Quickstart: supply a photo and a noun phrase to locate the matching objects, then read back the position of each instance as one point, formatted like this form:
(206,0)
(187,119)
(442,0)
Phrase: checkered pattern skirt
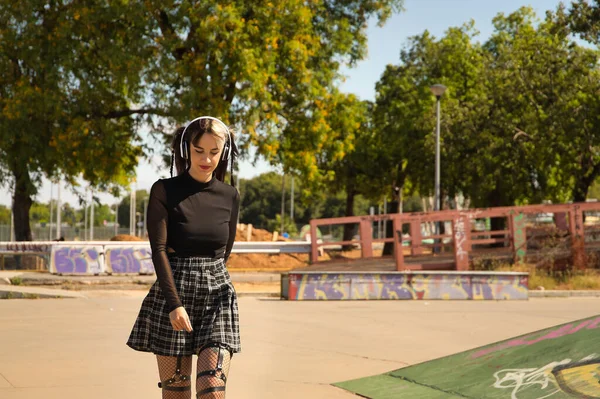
(206,292)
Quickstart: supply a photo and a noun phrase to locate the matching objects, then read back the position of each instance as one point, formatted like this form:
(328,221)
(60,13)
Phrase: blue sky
(384,44)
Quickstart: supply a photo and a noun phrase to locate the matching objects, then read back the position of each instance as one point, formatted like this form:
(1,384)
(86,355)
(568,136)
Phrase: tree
(265,67)
(141,198)
(65,93)
(40,213)
(69,90)
(348,157)
(518,118)
(582,18)
(261,203)
(546,89)
(4,214)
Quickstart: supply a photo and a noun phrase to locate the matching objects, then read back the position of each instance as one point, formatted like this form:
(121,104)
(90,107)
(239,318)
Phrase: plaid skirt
(206,292)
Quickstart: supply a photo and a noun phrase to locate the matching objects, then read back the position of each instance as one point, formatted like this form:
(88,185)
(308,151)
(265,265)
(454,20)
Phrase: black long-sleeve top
(193,219)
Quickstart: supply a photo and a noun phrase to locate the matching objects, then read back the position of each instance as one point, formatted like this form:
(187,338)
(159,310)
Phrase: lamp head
(438,90)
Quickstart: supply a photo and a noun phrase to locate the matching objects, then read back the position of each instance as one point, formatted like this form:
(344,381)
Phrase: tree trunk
(349,228)
(21,204)
(583,183)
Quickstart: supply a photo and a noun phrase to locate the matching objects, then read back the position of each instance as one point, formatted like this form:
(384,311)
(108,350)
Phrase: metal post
(292,201)
(12,222)
(58,212)
(117,218)
(132,218)
(50,223)
(385,212)
(437,158)
(282,202)
(92,217)
(85,220)
(437,173)
(379,221)
(145,218)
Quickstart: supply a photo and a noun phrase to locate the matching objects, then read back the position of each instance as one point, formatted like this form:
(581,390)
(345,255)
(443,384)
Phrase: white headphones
(183,150)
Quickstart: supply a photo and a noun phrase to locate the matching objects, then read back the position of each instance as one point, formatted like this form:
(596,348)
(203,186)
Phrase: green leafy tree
(141,199)
(65,93)
(4,214)
(40,213)
(544,87)
(265,67)
(69,89)
(518,117)
(349,157)
(261,201)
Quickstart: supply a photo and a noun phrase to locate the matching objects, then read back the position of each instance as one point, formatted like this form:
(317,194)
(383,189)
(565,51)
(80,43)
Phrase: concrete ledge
(12,291)
(563,294)
(414,285)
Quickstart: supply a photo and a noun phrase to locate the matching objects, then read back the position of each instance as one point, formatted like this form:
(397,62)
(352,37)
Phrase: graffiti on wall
(24,247)
(579,379)
(77,259)
(334,286)
(129,260)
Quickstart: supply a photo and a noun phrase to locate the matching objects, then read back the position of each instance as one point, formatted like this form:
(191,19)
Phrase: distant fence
(112,257)
(69,233)
(530,233)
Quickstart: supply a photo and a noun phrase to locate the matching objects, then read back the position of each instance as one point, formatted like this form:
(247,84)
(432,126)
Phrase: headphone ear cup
(185,154)
(225,152)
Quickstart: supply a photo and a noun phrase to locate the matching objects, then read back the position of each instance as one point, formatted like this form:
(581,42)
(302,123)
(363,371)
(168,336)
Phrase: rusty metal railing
(511,242)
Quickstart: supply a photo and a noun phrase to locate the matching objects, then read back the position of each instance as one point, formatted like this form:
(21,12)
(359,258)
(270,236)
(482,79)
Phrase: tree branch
(128,112)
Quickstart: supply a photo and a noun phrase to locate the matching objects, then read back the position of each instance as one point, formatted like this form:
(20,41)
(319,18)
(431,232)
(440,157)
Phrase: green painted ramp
(559,362)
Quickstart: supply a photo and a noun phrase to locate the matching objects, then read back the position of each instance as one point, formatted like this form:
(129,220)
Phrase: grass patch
(16,280)
(552,279)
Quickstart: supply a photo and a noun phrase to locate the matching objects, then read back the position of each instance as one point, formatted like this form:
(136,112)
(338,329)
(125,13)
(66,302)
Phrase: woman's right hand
(180,320)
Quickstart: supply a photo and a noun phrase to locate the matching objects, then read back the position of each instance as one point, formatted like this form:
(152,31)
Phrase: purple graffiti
(129,260)
(559,332)
(406,286)
(76,260)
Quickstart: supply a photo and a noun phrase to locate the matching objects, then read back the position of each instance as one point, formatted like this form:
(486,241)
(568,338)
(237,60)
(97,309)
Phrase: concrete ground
(75,347)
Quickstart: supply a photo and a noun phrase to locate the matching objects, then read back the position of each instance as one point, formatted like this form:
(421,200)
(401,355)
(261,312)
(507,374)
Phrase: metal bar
(314,249)
(366,238)
(490,233)
(489,241)
(577,237)
(398,255)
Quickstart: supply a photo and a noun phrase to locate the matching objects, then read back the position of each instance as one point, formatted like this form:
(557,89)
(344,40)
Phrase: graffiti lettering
(24,247)
(460,237)
(521,379)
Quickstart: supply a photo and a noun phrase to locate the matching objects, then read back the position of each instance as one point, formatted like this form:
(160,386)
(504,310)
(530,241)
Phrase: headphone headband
(211,118)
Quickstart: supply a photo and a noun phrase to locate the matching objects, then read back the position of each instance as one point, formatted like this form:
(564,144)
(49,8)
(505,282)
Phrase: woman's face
(205,155)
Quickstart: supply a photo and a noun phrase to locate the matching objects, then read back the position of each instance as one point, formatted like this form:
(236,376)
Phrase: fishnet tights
(212,371)
(212,368)
(167,369)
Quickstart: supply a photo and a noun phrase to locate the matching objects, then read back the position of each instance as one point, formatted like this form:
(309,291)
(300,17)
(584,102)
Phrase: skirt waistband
(195,261)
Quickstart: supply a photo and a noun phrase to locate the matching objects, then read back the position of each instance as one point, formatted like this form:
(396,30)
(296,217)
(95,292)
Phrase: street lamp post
(437,90)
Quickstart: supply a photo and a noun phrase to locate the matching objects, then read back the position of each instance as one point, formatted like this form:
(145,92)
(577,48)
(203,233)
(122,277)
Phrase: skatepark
(75,347)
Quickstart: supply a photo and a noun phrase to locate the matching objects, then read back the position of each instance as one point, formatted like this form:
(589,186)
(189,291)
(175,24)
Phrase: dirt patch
(126,237)
(267,262)
(245,231)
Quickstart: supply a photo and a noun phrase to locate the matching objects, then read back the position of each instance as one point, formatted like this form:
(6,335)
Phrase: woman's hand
(180,320)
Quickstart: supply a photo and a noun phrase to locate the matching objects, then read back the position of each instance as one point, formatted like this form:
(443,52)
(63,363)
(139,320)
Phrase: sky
(384,45)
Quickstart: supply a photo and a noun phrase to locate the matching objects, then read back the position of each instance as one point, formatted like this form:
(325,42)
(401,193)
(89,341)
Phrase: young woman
(192,308)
